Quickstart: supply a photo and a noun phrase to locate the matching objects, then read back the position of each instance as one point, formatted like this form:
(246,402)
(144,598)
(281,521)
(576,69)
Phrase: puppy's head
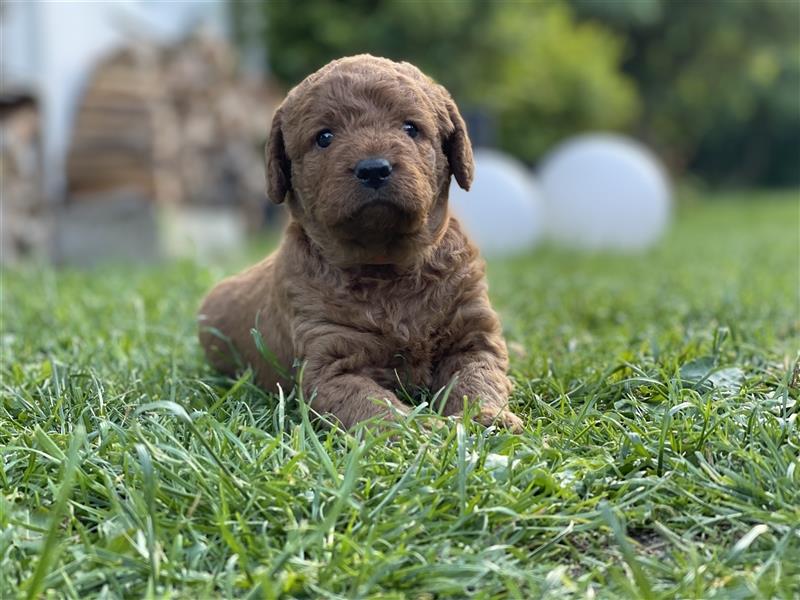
(362,151)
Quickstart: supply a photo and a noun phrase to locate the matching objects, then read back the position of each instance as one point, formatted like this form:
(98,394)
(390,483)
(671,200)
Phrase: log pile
(179,125)
(115,133)
(24,224)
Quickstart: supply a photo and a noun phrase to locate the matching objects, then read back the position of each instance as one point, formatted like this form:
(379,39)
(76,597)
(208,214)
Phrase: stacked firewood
(23,219)
(116,131)
(179,125)
(223,119)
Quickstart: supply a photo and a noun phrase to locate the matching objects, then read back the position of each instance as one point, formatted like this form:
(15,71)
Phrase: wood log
(24,224)
(193,133)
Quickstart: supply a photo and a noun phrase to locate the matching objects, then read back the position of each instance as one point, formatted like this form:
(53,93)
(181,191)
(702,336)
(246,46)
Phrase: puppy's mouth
(379,231)
(378,219)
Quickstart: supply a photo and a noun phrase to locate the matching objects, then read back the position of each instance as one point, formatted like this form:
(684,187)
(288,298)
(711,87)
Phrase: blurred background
(135,130)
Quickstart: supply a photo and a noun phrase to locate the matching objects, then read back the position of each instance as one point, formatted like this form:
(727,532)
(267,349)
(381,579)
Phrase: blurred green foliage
(719,82)
(537,72)
(713,86)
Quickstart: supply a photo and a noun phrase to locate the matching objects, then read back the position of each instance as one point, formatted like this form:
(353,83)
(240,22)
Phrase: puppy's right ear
(279,167)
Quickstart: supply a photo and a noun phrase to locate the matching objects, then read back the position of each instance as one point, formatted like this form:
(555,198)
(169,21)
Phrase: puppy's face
(363,151)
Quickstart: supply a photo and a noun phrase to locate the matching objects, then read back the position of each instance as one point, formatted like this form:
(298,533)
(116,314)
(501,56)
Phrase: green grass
(660,458)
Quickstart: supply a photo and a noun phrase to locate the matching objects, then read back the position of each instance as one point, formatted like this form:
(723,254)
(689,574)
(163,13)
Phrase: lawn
(660,457)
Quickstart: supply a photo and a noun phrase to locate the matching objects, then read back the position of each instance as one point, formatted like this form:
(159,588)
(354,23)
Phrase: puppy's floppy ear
(456,144)
(279,167)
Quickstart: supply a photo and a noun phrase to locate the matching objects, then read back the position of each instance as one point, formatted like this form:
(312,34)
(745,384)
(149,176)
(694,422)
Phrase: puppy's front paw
(493,415)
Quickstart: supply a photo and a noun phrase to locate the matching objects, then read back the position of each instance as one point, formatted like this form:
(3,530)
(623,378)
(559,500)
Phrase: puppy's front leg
(476,357)
(336,376)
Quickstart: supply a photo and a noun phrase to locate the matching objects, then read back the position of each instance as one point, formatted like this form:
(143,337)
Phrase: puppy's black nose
(373,172)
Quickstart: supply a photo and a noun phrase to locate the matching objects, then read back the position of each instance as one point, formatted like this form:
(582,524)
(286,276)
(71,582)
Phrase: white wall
(52,47)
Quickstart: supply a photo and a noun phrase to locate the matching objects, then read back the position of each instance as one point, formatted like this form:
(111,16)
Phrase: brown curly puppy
(375,285)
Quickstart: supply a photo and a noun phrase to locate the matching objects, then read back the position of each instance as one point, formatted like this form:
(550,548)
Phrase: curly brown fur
(370,288)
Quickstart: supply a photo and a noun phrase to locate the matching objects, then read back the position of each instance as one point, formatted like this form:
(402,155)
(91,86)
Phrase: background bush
(713,87)
(719,82)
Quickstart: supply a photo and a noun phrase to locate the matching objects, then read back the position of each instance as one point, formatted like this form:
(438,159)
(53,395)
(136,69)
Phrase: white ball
(503,210)
(605,192)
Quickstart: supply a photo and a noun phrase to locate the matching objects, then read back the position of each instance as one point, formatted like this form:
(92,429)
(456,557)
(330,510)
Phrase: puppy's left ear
(456,144)
(279,167)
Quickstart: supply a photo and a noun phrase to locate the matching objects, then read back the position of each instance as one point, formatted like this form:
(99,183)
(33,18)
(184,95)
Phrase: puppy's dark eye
(410,129)
(324,138)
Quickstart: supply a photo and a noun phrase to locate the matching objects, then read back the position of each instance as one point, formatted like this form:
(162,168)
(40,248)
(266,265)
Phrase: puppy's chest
(408,323)
(412,324)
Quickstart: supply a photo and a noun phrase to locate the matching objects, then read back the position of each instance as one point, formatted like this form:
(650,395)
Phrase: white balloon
(503,210)
(605,191)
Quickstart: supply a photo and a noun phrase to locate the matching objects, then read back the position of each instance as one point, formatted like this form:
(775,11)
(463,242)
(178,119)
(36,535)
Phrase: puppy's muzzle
(373,172)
